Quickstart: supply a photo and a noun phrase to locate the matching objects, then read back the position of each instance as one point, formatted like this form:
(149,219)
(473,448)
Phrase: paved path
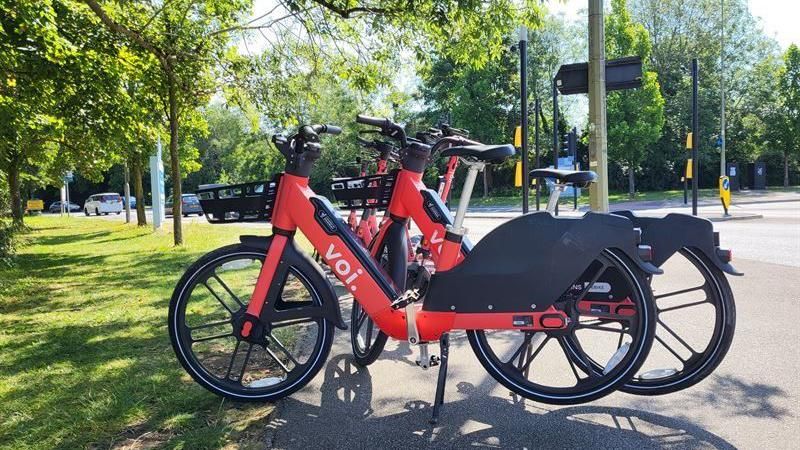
(750,402)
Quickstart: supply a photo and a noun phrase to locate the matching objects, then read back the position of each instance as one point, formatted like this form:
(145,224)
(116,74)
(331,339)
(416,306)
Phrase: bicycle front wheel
(540,365)
(277,358)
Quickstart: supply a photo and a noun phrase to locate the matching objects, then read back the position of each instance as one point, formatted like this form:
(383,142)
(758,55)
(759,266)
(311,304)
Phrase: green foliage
(635,117)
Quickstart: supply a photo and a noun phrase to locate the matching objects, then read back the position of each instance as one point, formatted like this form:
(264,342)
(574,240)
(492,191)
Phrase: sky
(778,17)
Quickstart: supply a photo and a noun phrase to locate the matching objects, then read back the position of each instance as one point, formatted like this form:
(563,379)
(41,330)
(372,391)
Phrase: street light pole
(598,145)
(722,90)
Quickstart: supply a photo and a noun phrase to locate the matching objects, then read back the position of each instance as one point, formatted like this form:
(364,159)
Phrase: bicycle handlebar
(388,128)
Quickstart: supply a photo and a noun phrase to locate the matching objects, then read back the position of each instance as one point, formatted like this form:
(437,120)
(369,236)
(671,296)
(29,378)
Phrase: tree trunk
(785,169)
(138,192)
(631,183)
(177,213)
(16,194)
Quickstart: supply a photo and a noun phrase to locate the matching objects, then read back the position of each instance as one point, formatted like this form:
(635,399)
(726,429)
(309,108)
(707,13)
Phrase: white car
(105,203)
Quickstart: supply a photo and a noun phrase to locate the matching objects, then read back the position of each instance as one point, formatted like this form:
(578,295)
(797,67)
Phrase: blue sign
(719,141)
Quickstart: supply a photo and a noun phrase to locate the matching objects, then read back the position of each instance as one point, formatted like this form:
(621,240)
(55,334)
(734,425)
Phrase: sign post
(68,177)
(157,186)
(63,198)
(536,111)
(127,192)
(523,75)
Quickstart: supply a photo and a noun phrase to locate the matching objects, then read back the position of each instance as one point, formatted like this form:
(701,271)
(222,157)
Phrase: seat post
(466,194)
(552,202)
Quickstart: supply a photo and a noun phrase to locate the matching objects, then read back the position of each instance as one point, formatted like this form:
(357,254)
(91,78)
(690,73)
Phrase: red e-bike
(695,307)
(254,321)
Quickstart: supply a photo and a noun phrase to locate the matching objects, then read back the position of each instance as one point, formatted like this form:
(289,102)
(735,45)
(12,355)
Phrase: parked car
(108,202)
(55,207)
(190,204)
(133,202)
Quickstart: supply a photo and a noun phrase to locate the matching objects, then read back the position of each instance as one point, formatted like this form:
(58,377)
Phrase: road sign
(518,174)
(69,177)
(518,137)
(725,193)
(622,73)
(689,169)
(689,141)
(35,205)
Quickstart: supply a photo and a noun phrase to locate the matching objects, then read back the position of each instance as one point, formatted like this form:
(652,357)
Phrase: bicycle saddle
(581,178)
(487,153)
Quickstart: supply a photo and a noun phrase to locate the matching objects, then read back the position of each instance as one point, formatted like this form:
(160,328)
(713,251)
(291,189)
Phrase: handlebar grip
(373,121)
(332,129)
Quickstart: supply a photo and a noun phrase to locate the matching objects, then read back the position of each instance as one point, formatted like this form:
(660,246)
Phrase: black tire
(366,351)
(702,364)
(97,211)
(596,384)
(307,276)
(86,211)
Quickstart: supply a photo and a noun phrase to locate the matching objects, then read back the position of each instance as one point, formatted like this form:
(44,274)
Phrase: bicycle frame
(298,207)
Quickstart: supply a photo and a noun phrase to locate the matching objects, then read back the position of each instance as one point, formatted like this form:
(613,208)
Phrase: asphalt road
(751,401)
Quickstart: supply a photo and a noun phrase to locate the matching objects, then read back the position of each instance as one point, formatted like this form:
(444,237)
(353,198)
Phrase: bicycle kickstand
(444,344)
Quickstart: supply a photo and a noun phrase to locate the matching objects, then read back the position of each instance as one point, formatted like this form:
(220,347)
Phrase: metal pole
(555,131)
(66,183)
(127,192)
(722,90)
(536,107)
(573,148)
(685,191)
(523,75)
(695,137)
(598,144)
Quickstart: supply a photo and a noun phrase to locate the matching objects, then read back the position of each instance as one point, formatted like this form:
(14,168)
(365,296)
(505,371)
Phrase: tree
(186,37)
(783,121)
(635,117)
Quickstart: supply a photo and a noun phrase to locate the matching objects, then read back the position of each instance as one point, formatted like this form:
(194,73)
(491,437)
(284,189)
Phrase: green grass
(613,197)
(85,359)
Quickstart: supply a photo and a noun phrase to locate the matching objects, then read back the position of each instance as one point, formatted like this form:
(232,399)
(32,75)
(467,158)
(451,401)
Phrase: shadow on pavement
(345,417)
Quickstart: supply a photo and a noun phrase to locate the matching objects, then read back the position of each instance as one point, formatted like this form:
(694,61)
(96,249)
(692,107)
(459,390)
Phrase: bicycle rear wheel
(696,320)
(277,358)
(540,365)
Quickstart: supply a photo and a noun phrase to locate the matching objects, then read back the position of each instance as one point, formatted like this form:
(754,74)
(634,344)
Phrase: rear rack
(246,202)
(372,191)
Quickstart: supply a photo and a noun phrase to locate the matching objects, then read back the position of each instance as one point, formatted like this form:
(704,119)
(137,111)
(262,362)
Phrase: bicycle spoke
(225,286)
(527,365)
(679,292)
(246,360)
(289,323)
(687,305)
(526,342)
(218,299)
(284,350)
(360,320)
(211,338)
(675,335)
(210,324)
(595,277)
(601,328)
(566,355)
(233,359)
(674,353)
(277,360)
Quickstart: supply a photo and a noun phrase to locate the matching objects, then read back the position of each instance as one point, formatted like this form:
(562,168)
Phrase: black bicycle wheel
(695,325)
(278,358)
(540,366)
(366,339)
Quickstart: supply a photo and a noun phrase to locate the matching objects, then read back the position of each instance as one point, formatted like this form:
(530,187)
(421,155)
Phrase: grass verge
(85,359)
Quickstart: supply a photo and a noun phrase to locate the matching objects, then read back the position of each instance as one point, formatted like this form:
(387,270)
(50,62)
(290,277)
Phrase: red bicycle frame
(298,207)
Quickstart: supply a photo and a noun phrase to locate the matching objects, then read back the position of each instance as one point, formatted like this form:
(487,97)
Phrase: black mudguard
(292,255)
(668,234)
(531,259)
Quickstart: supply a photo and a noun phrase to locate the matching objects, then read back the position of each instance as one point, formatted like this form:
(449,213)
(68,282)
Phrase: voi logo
(342,267)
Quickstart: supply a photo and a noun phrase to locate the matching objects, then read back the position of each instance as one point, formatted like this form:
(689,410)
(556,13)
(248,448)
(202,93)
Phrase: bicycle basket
(372,191)
(246,202)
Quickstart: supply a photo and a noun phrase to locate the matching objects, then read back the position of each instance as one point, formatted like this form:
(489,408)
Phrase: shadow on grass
(345,419)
